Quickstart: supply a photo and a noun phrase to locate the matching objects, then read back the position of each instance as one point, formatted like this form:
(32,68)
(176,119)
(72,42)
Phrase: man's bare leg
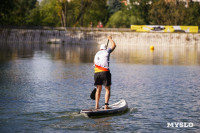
(107,96)
(97,96)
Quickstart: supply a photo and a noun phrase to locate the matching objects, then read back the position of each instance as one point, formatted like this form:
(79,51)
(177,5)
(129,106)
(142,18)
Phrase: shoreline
(122,36)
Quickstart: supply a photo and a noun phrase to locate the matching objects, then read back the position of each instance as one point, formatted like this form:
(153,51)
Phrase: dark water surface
(43,88)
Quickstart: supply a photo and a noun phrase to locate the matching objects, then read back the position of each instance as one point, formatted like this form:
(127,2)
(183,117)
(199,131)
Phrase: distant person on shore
(100,25)
(91,24)
(102,75)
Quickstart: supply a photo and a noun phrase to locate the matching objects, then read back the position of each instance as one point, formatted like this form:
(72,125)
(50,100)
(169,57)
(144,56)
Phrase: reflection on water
(43,88)
(69,53)
(162,55)
(134,54)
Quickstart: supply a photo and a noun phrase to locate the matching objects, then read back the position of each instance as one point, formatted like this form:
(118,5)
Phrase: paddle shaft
(107,44)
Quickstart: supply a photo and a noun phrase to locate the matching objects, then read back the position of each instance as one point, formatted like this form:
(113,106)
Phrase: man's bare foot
(106,107)
(97,108)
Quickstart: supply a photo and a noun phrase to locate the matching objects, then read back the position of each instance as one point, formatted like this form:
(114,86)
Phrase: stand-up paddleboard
(116,108)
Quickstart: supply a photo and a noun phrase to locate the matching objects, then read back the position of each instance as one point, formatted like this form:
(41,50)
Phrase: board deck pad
(116,108)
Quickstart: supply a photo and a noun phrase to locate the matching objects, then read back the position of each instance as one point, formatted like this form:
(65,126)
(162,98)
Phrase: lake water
(44,86)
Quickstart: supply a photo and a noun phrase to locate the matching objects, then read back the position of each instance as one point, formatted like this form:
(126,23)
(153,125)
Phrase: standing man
(102,75)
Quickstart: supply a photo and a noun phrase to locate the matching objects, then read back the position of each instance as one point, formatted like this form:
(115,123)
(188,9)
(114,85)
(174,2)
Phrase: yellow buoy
(151,47)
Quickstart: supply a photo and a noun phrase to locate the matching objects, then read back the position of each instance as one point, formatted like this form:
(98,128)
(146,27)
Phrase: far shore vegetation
(94,13)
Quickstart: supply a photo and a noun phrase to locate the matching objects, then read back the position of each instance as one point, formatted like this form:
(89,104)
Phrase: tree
(193,14)
(82,13)
(140,10)
(114,6)
(14,12)
(98,11)
(167,13)
(34,18)
(6,8)
(21,10)
(135,13)
(49,13)
(119,20)
(68,14)
(62,11)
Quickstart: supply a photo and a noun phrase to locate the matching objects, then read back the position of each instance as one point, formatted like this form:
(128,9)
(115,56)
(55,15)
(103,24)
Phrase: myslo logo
(180,124)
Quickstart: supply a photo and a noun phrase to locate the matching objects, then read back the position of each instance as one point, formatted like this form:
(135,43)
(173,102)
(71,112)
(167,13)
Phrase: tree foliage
(164,13)
(112,13)
(118,20)
(131,14)
(114,6)
(48,13)
(140,9)
(192,14)
(87,11)
(14,12)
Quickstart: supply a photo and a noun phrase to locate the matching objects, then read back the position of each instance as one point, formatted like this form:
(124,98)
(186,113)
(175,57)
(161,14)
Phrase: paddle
(107,44)
(92,95)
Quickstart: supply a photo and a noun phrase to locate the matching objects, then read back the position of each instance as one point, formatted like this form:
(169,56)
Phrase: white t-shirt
(102,58)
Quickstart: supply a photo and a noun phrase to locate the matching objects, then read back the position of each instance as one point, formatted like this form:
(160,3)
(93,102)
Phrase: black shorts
(102,78)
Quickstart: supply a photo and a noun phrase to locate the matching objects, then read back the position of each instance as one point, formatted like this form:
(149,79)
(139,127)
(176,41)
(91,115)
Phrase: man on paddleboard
(102,75)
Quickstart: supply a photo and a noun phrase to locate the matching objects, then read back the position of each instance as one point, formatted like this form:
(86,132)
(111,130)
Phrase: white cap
(103,46)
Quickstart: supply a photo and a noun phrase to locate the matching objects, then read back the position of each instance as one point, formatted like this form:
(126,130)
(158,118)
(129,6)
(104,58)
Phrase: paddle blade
(92,95)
